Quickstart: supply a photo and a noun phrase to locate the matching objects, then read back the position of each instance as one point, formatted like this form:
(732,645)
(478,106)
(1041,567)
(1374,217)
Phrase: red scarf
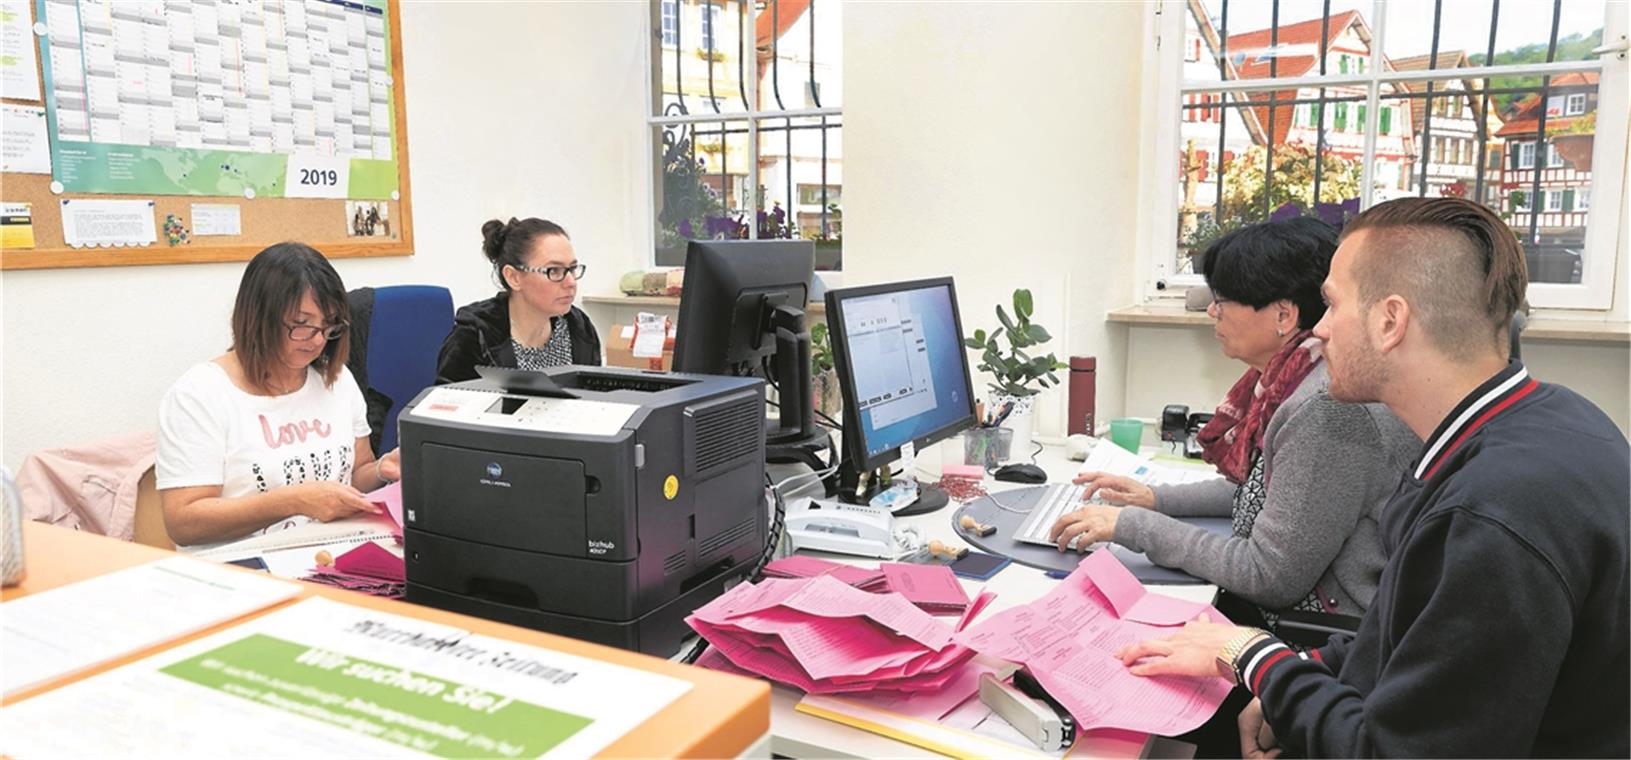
(1236,430)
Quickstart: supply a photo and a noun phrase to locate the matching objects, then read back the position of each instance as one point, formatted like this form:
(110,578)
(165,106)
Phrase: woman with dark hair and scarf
(1304,476)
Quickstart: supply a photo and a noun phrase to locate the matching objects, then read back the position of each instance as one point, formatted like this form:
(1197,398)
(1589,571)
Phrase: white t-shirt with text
(212,433)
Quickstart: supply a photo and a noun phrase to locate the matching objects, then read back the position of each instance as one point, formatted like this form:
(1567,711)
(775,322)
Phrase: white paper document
(107,223)
(63,631)
(325,679)
(25,147)
(217,219)
(19,65)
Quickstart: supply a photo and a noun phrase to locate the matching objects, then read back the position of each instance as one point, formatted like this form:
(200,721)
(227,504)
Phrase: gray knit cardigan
(1329,467)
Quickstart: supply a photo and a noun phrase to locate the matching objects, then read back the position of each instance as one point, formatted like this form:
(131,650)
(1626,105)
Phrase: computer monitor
(742,313)
(898,349)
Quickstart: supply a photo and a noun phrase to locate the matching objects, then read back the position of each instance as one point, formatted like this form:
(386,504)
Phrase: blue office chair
(396,333)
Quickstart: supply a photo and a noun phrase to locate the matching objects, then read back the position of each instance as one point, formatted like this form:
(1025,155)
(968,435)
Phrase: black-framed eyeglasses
(307,332)
(556,274)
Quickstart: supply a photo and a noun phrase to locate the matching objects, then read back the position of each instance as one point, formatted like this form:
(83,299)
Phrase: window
(710,22)
(1464,132)
(1582,198)
(671,22)
(745,117)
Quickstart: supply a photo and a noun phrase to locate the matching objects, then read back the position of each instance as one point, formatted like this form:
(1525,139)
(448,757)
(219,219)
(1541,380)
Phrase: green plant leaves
(1015,371)
(1022,303)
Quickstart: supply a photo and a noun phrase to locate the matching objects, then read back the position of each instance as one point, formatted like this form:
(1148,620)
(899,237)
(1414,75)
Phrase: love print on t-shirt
(294,431)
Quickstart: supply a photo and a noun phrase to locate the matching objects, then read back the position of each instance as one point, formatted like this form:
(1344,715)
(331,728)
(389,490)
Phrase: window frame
(662,16)
(1570,100)
(749,118)
(1165,87)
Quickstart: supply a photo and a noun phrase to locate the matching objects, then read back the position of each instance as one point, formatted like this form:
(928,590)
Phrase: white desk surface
(795,734)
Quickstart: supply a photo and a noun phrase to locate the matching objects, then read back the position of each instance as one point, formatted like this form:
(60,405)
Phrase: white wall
(513,109)
(1182,365)
(973,148)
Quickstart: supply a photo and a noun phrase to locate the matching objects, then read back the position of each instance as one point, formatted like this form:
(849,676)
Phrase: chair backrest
(405,334)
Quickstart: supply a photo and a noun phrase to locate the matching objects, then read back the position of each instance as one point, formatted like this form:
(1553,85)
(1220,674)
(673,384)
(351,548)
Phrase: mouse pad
(1019,502)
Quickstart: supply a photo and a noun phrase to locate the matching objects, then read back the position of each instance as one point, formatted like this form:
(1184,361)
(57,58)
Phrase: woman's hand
(326,500)
(1088,525)
(1192,651)
(1116,489)
(390,466)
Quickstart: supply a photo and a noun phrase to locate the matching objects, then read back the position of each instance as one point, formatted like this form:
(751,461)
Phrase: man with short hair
(1500,626)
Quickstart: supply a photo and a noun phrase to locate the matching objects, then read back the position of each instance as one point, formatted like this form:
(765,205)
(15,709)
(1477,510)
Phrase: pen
(1060,574)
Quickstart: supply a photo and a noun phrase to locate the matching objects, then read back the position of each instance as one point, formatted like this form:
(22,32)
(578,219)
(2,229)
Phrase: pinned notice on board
(107,223)
(19,68)
(25,147)
(217,219)
(16,226)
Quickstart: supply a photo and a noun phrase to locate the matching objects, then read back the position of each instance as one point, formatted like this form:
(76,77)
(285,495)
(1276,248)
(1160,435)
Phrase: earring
(1280,331)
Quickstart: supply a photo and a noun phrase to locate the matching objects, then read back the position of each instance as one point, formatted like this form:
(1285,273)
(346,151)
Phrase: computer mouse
(1020,473)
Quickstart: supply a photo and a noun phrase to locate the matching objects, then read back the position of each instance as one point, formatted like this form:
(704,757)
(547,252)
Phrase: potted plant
(1017,376)
(824,377)
(1575,143)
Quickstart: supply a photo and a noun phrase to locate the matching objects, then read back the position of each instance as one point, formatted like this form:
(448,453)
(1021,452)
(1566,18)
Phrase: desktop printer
(599,503)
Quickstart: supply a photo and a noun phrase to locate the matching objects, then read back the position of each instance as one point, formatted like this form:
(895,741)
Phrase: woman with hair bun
(531,324)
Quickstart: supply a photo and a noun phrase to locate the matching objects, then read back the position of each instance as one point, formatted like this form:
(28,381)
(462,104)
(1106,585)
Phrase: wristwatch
(1240,643)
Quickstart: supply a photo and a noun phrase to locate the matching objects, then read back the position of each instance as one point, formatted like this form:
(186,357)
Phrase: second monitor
(903,374)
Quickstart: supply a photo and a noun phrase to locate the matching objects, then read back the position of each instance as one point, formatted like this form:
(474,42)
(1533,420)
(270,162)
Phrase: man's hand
(1256,737)
(326,500)
(1115,489)
(1088,525)
(1192,651)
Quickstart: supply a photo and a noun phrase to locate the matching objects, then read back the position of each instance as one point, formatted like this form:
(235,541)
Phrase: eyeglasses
(307,332)
(556,274)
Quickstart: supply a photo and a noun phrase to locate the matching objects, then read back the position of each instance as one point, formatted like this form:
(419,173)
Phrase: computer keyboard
(1057,499)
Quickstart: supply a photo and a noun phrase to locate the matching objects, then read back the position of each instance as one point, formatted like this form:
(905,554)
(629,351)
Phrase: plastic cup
(987,447)
(1127,432)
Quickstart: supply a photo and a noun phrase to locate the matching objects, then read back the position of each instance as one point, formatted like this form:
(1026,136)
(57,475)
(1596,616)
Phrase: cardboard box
(620,350)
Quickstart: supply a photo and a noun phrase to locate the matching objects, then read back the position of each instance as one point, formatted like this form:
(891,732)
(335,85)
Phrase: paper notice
(24,146)
(19,66)
(16,226)
(107,223)
(217,219)
(321,678)
(650,330)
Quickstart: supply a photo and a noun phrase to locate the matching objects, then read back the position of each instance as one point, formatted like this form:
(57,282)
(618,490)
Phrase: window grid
(678,118)
(1376,121)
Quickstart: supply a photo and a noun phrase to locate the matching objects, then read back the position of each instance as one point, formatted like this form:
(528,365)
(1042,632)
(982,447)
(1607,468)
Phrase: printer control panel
(553,415)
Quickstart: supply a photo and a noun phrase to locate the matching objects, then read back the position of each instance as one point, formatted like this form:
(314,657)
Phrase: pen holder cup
(987,447)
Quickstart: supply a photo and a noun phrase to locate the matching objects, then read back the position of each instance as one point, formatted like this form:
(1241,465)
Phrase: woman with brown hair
(274,432)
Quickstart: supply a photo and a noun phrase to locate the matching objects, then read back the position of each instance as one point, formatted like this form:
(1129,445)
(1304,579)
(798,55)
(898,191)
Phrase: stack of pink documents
(826,637)
(934,588)
(1068,639)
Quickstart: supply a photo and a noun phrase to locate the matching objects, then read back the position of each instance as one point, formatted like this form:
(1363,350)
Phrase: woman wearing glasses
(531,323)
(274,432)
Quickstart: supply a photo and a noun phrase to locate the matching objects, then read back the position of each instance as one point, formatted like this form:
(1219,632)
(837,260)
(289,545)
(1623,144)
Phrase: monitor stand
(784,448)
(929,498)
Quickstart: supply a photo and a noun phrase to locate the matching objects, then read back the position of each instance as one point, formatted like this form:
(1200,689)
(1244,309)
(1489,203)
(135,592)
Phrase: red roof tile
(1526,119)
(1303,34)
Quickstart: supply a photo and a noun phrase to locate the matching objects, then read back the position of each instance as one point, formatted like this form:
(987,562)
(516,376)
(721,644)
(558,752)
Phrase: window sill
(1540,327)
(815,308)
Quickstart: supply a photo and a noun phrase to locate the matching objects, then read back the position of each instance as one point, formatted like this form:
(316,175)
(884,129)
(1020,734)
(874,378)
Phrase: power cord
(772,540)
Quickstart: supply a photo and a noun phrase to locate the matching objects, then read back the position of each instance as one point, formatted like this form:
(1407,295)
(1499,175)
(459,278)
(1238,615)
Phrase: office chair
(396,332)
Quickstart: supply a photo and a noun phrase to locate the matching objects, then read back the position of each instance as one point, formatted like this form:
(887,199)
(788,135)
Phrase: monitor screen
(902,367)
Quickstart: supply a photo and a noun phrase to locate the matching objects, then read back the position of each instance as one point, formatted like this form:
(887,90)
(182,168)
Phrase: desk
(721,716)
(796,734)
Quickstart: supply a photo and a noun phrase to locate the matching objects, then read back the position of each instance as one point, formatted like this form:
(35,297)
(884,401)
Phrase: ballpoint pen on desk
(1002,415)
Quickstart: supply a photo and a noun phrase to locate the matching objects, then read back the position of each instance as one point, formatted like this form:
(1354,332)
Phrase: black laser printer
(603,504)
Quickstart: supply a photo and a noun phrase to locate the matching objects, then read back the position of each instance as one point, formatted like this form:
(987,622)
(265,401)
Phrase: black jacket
(481,336)
(1500,627)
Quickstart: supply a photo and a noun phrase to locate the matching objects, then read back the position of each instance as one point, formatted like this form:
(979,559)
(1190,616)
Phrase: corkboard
(320,223)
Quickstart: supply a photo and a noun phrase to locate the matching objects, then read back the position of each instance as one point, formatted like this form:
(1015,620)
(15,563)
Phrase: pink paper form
(926,585)
(1069,637)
